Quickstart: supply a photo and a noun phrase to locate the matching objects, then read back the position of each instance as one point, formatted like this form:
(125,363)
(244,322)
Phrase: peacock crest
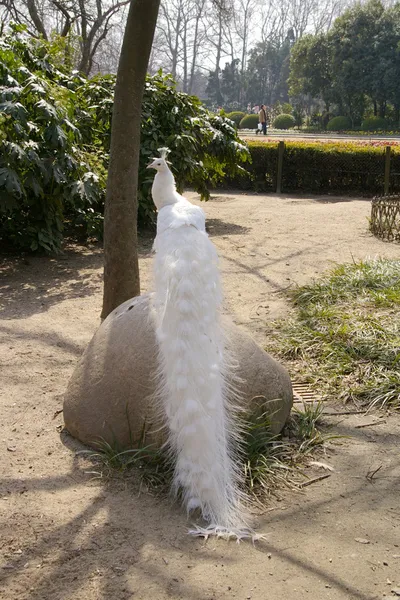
(164,152)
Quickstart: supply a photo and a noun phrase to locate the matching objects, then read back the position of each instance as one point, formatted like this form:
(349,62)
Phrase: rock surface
(111,393)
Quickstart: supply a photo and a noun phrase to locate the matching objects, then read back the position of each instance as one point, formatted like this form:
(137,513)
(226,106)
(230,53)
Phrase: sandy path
(65,536)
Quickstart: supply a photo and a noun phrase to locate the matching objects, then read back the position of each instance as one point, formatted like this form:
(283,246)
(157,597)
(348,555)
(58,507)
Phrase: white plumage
(194,370)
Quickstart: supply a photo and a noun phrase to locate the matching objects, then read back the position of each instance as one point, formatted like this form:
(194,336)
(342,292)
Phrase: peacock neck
(164,189)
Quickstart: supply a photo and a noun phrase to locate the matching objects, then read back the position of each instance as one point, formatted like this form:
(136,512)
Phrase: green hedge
(343,168)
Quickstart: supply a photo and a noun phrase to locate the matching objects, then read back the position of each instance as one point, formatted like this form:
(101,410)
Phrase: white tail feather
(193,373)
(195,378)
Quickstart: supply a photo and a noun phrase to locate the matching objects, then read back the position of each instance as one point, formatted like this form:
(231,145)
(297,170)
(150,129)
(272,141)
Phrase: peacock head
(160,164)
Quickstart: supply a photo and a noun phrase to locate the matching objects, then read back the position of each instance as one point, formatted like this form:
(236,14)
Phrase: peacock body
(194,379)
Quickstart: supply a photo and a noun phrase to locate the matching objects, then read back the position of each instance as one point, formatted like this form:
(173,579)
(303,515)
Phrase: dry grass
(269,462)
(345,337)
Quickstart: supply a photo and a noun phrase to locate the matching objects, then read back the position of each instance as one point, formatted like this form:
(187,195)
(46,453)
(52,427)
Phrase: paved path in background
(275,135)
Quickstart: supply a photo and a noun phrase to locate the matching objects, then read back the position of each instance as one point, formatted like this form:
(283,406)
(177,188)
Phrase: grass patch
(269,462)
(345,337)
(272,462)
(148,462)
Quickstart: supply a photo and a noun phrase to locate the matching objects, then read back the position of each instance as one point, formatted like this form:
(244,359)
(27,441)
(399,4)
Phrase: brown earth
(66,536)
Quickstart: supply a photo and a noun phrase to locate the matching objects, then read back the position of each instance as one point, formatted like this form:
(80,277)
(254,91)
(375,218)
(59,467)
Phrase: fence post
(281,150)
(387,171)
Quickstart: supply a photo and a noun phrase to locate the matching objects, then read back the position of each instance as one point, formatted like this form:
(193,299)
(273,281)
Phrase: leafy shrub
(204,147)
(339,124)
(287,109)
(298,116)
(374,124)
(236,116)
(319,167)
(53,172)
(41,167)
(249,122)
(284,122)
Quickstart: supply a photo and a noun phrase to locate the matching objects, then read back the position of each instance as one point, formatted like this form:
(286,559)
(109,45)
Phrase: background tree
(87,23)
(354,67)
(310,69)
(268,71)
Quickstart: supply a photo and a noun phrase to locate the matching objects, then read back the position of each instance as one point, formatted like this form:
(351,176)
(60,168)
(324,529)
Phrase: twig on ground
(361,425)
(347,412)
(314,480)
(370,475)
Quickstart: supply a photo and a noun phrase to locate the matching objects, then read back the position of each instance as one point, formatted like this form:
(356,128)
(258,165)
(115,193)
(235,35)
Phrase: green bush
(287,109)
(249,122)
(339,124)
(55,139)
(43,170)
(374,124)
(284,122)
(319,167)
(236,116)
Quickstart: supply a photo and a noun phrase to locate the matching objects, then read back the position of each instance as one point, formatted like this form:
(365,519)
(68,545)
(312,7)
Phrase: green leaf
(32,183)
(55,136)
(15,109)
(10,181)
(46,110)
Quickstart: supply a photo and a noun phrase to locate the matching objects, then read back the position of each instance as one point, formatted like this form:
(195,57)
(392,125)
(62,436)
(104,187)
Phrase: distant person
(262,117)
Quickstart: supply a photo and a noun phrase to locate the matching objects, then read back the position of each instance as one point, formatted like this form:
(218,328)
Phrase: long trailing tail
(194,380)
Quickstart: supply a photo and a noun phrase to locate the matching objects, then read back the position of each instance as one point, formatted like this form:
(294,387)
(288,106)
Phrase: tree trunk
(195,46)
(185,59)
(244,55)
(397,114)
(121,267)
(33,12)
(217,62)
(175,52)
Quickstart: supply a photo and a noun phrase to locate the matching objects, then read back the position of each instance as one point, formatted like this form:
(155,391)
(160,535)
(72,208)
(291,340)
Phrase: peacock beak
(152,164)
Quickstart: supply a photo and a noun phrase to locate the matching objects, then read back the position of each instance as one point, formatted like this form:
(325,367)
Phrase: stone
(111,393)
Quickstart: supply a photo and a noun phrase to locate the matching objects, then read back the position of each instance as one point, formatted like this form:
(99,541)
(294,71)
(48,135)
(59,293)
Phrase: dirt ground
(66,536)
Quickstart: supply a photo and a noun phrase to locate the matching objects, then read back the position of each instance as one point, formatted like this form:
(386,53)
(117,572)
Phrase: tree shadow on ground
(261,271)
(10,333)
(33,284)
(215,227)
(121,540)
(338,199)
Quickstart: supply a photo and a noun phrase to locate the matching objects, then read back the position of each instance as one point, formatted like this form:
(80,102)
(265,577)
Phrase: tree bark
(33,12)
(199,14)
(218,60)
(121,267)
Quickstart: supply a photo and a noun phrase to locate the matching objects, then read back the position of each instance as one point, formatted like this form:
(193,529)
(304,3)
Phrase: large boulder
(111,394)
